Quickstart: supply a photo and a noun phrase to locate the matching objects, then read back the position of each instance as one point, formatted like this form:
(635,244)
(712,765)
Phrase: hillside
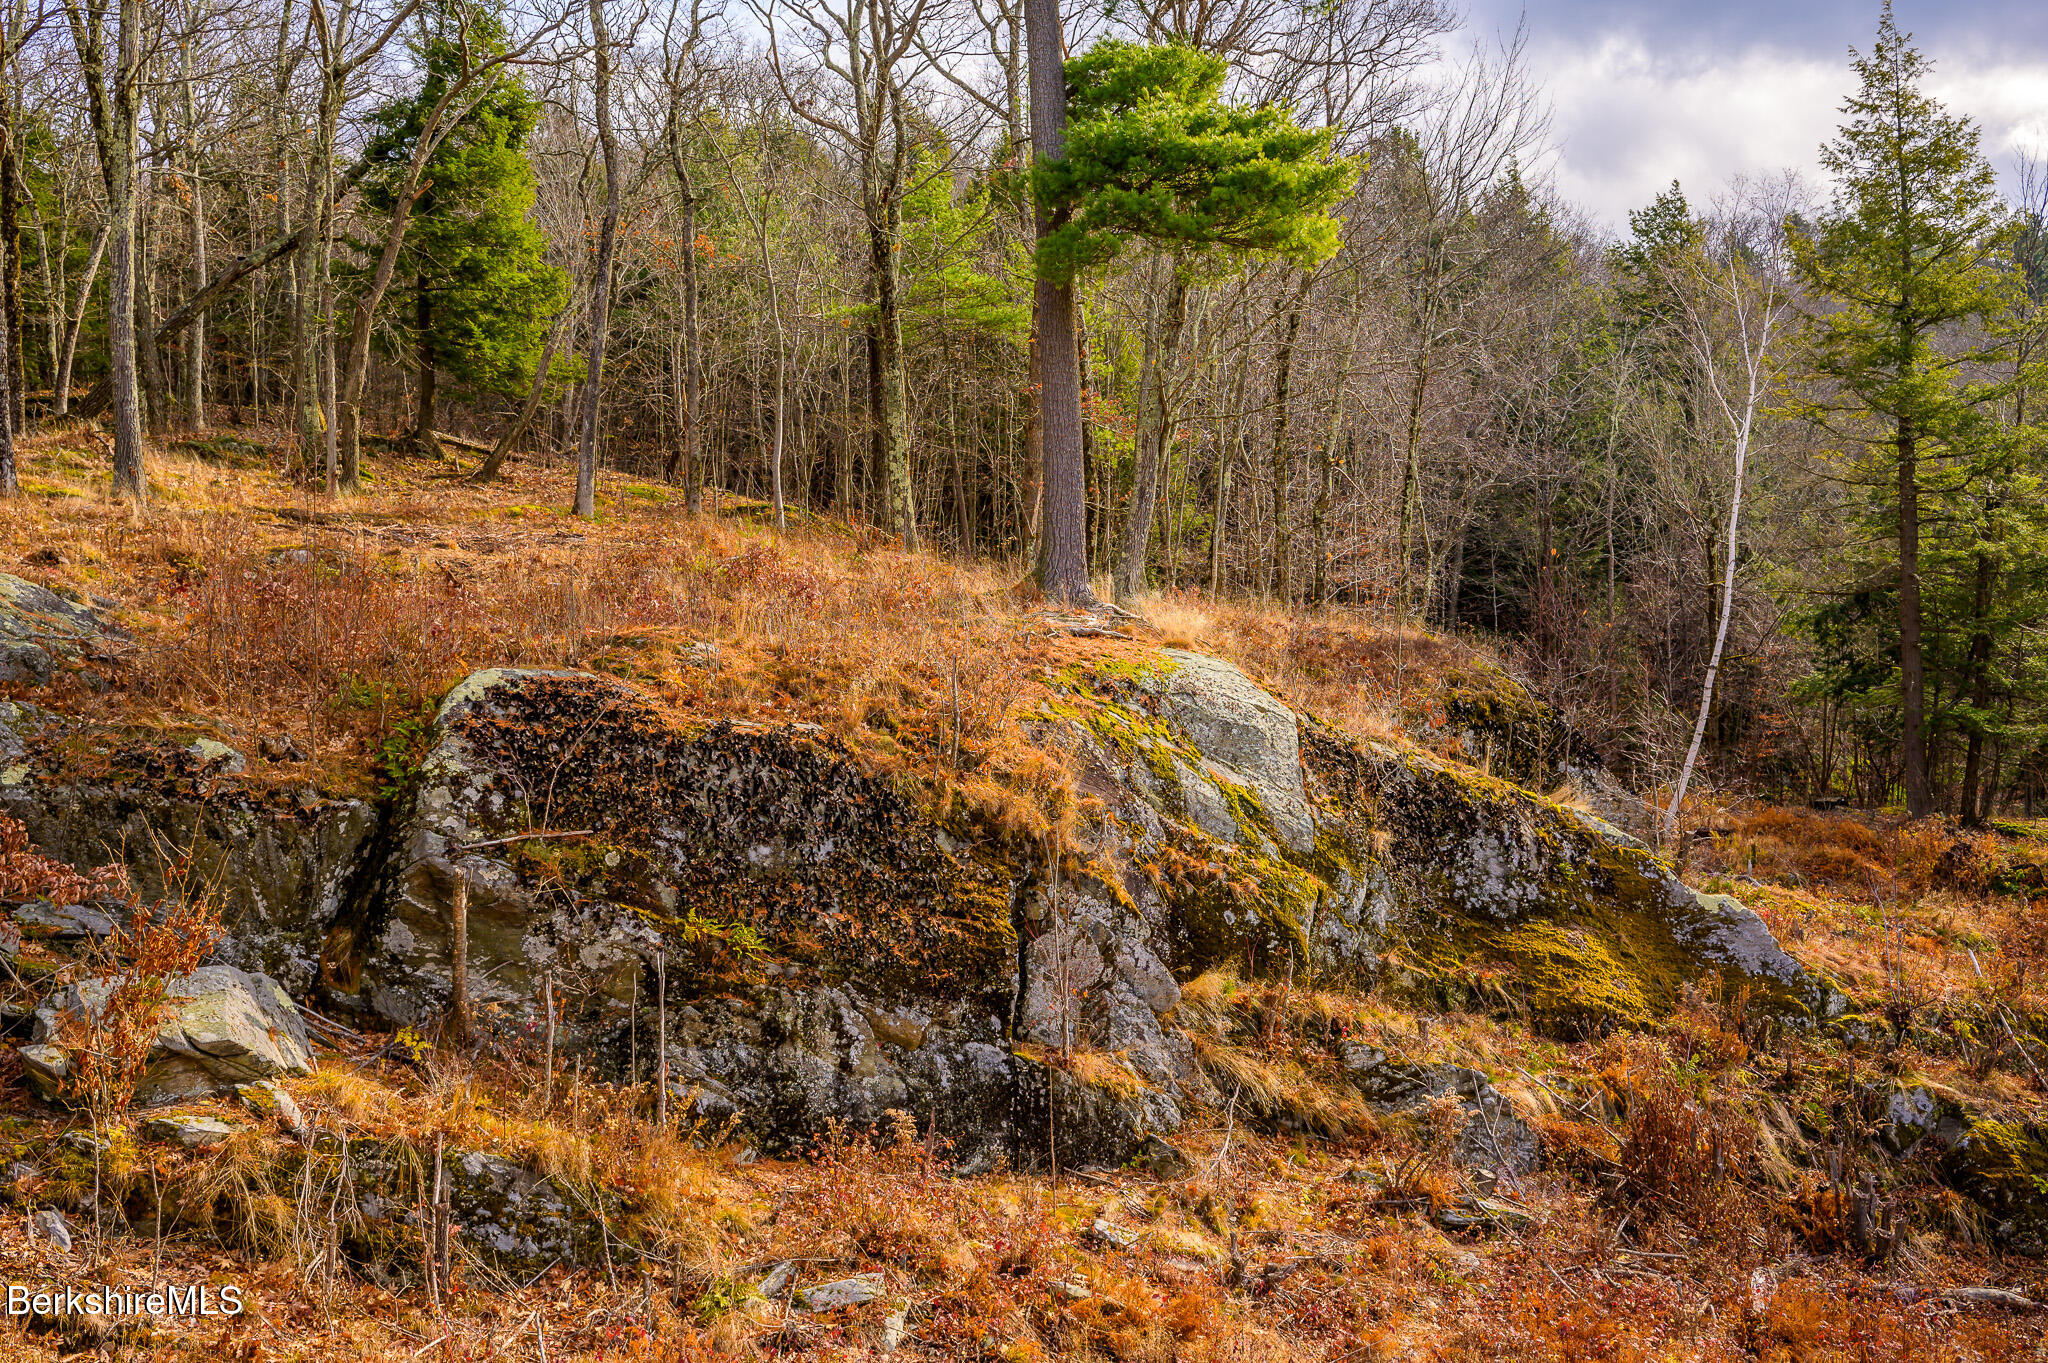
(1216,983)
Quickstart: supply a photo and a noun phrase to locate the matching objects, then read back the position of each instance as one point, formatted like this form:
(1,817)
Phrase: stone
(280,748)
(51,1226)
(1161,1159)
(1915,1113)
(1246,734)
(47,1067)
(283,868)
(44,632)
(893,953)
(265,1099)
(213,758)
(777,1281)
(1115,1236)
(190,1132)
(840,1293)
(1493,1136)
(65,922)
(2003,1167)
(221,1028)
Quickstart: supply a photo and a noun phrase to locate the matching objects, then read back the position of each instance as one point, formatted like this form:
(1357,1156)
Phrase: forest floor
(259,608)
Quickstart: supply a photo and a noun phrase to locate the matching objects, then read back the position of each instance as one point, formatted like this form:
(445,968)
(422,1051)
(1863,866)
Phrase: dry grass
(258,609)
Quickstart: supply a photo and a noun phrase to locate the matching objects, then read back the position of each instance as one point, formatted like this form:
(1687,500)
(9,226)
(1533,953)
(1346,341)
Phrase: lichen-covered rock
(282,865)
(45,633)
(220,1028)
(1240,834)
(517,1220)
(187,1130)
(831,951)
(1916,1113)
(1491,1135)
(2003,1166)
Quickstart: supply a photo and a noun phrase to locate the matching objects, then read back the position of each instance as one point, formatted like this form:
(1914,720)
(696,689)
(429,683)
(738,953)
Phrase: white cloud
(1628,121)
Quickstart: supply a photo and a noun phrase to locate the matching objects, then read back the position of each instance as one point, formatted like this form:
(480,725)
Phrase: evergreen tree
(483,291)
(1907,257)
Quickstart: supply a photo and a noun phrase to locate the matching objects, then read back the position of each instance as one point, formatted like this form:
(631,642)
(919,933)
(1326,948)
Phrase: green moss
(2004,1166)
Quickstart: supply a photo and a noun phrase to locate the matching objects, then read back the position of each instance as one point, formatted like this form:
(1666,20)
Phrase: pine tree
(483,291)
(1907,257)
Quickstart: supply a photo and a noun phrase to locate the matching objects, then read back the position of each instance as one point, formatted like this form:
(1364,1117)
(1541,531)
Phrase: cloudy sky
(1700,90)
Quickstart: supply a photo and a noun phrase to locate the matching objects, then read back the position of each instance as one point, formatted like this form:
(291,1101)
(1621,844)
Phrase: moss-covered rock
(2003,1166)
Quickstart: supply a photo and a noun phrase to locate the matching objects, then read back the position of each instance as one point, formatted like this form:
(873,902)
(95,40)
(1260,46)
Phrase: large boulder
(1274,844)
(838,944)
(220,1027)
(831,952)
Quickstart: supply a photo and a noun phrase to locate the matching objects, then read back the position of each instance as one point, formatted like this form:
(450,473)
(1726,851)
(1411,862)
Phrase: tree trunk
(1283,463)
(1979,667)
(74,322)
(689,393)
(117,151)
(1155,419)
(601,286)
(10,482)
(15,412)
(1063,546)
(891,444)
(193,397)
(427,416)
(1912,667)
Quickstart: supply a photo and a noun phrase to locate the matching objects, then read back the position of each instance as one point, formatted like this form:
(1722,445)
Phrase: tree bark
(427,414)
(601,286)
(1063,546)
(193,396)
(1155,420)
(1283,462)
(488,470)
(74,322)
(1912,666)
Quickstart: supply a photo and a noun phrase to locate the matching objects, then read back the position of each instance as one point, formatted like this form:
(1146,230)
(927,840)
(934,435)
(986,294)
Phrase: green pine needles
(1154,152)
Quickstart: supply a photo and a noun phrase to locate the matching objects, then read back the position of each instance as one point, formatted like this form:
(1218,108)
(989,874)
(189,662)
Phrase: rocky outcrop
(1490,1133)
(833,948)
(1413,872)
(830,951)
(220,1028)
(281,862)
(46,634)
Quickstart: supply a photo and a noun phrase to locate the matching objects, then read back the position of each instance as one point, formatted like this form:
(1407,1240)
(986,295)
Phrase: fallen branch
(522,837)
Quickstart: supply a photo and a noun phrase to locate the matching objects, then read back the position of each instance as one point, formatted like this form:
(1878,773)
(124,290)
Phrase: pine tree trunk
(1063,545)
(1912,666)
(601,286)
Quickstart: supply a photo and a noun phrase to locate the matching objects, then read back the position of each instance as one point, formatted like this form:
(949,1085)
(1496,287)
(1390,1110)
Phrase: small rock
(894,1329)
(51,1225)
(1161,1159)
(280,748)
(777,1281)
(854,1291)
(214,758)
(221,1028)
(193,1133)
(266,1099)
(66,922)
(747,1157)
(1115,1236)
(47,1068)
(1070,1289)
